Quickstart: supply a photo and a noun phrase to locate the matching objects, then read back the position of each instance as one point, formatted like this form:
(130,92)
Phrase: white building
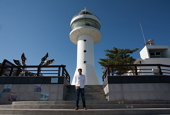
(85,32)
(153,54)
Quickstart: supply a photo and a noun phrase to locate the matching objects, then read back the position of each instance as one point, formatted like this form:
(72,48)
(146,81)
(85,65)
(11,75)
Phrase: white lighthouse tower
(85,32)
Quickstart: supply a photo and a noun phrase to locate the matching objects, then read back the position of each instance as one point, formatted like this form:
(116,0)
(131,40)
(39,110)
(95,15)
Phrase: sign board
(54,80)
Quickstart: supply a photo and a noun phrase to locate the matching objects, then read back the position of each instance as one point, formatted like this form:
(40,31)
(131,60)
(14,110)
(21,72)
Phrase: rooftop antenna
(142,33)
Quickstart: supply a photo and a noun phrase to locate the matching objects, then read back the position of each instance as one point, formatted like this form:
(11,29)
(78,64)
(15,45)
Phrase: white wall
(166,53)
(139,91)
(87,68)
(144,53)
(26,92)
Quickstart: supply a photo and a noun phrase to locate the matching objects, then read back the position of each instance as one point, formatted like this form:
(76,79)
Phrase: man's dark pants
(78,92)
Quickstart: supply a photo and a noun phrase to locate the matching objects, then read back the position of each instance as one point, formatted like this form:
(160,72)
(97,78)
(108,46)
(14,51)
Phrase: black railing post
(18,71)
(136,70)
(1,70)
(160,71)
(24,70)
(65,73)
(104,73)
(108,71)
(59,69)
(63,69)
(68,78)
(112,71)
(38,71)
(11,71)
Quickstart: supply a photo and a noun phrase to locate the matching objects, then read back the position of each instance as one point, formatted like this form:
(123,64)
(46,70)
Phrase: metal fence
(136,69)
(36,71)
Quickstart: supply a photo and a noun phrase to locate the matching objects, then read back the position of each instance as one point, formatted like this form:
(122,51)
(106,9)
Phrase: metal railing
(85,14)
(36,71)
(136,69)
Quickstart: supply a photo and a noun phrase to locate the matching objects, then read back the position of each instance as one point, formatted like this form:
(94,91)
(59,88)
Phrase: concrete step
(89,88)
(127,111)
(90,102)
(87,97)
(89,106)
(73,91)
(10,114)
(92,92)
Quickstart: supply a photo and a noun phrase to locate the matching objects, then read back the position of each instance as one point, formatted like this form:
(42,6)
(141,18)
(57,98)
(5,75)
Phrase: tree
(117,56)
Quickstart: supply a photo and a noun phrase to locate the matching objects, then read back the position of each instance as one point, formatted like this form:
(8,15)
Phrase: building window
(85,40)
(156,54)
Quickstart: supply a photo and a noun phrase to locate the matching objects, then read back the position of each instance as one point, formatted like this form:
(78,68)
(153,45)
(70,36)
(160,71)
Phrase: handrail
(136,69)
(34,70)
(84,14)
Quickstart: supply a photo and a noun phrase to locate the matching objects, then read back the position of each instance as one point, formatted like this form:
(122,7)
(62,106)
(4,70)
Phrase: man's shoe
(76,108)
(85,108)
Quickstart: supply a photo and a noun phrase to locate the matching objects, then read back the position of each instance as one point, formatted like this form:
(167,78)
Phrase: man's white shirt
(80,80)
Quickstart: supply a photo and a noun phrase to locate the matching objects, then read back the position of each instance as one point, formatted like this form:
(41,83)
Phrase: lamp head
(49,62)
(17,62)
(44,59)
(24,59)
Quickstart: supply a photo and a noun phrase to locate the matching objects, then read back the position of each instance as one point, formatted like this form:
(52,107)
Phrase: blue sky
(36,27)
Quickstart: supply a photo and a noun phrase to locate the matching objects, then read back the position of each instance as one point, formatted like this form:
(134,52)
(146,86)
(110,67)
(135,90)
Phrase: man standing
(80,81)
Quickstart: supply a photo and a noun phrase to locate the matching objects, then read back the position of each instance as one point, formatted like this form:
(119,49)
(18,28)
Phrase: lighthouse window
(85,40)
(85,62)
(85,22)
(85,12)
(84,50)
